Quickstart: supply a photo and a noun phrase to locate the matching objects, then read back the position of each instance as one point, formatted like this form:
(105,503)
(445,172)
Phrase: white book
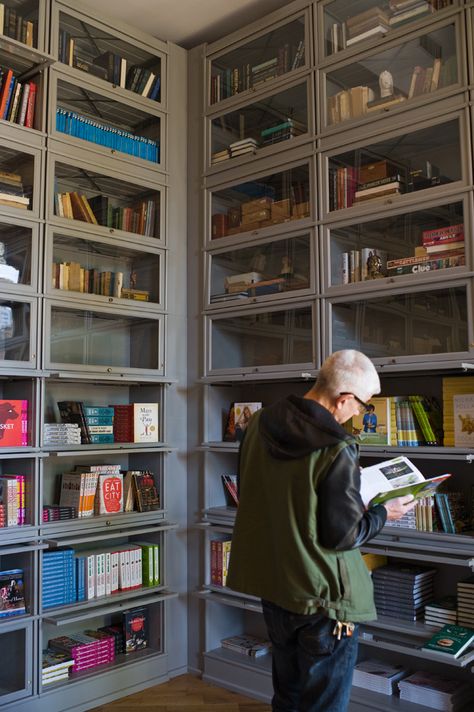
(378,30)
(148,84)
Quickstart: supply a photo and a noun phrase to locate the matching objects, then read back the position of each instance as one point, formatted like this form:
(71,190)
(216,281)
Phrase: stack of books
(441,247)
(441,611)
(55,513)
(408,10)
(220,156)
(282,131)
(392,184)
(86,652)
(263,72)
(378,676)
(434,691)
(56,434)
(3,516)
(402,591)
(466,602)
(55,666)
(240,148)
(13,497)
(250,645)
(371,23)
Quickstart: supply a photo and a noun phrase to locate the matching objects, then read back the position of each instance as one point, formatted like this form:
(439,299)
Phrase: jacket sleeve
(343,521)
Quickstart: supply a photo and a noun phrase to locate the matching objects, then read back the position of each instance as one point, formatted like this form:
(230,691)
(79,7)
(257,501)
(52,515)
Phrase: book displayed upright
(13,423)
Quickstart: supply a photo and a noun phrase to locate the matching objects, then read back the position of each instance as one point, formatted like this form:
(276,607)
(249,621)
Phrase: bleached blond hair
(348,371)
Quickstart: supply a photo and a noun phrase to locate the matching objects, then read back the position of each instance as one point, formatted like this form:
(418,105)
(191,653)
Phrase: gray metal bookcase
(313,78)
(77,341)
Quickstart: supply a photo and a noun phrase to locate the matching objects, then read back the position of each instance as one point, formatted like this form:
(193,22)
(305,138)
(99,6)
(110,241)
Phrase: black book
(135,629)
(85,66)
(72,412)
(100,206)
(408,572)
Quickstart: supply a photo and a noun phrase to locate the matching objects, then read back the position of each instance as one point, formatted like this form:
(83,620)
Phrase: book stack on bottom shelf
(378,676)
(435,691)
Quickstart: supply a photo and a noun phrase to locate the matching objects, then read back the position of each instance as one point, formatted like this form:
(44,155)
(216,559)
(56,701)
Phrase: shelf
(72,535)
(220,515)
(97,449)
(100,607)
(434,547)
(212,595)
(387,642)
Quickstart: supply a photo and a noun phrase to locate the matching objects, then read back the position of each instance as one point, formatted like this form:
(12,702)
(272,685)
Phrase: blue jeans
(311,670)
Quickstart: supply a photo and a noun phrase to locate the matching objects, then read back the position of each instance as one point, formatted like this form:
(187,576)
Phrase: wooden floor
(185,693)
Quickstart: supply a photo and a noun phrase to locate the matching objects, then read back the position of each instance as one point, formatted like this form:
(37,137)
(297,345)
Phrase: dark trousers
(312,669)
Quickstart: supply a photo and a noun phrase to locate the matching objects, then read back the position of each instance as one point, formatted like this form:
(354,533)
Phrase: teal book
(450,641)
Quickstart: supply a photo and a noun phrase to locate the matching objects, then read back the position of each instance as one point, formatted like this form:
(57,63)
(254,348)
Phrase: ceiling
(187,22)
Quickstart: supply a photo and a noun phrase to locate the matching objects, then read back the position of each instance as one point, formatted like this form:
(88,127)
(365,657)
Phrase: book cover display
(450,641)
(372,427)
(109,493)
(237,420)
(13,423)
(12,594)
(135,625)
(145,422)
(463,407)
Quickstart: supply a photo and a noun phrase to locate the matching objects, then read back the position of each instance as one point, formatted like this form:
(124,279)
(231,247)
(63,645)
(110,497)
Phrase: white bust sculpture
(385,84)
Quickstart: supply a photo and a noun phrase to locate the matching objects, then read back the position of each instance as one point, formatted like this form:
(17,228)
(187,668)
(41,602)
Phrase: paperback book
(395,478)
(13,423)
(135,628)
(12,595)
(372,427)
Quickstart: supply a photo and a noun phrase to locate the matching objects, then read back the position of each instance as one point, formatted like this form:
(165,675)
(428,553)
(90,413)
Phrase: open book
(395,478)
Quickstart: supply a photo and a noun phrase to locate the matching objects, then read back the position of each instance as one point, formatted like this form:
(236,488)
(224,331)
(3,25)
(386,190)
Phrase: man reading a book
(299,526)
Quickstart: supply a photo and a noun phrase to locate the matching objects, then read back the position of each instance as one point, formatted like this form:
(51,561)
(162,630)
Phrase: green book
(426,488)
(148,556)
(450,641)
(156,564)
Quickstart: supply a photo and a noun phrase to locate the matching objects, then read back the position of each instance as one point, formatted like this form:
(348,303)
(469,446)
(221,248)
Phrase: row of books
(364,264)
(230,81)
(15,26)
(17,99)
(361,100)
(12,500)
(104,489)
(69,576)
(73,277)
(130,422)
(111,67)
(139,217)
(79,126)
(256,214)
(219,557)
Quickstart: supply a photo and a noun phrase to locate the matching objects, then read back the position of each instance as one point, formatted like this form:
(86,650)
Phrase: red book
(30,108)
(13,423)
(4,92)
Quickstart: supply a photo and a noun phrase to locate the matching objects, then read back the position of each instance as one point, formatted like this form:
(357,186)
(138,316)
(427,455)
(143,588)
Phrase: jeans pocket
(317,638)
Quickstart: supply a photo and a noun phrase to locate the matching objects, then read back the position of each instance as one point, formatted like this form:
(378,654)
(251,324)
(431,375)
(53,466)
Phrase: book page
(386,476)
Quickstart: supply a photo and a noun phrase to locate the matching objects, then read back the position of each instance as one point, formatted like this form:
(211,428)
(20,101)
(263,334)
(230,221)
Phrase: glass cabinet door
(18,321)
(414,243)
(95,198)
(91,48)
(348,24)
(269,56)
(398,165)
(271,121)
(18,253)
(105,268)
(388,79)
(22,21)
(262,341)
(276,267)
(262,202)
(119,127)
(104,341)
(412,324)
(16,669)
(20,181)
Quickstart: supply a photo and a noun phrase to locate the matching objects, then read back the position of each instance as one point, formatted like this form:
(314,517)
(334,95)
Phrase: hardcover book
(463,407)
(12,596)
(450,641)
(145,422)
(237,420)
(135,628)
(372,427)
(145,491)
(13,423)
(109,494)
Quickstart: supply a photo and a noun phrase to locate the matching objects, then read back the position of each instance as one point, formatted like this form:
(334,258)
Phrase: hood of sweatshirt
(294,427)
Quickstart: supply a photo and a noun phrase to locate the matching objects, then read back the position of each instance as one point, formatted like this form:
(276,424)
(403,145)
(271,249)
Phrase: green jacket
(279,552)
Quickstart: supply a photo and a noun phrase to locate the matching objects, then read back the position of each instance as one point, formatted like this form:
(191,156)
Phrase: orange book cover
(4,91)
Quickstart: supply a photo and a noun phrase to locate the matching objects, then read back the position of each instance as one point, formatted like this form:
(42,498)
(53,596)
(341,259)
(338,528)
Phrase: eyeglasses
(365,406)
